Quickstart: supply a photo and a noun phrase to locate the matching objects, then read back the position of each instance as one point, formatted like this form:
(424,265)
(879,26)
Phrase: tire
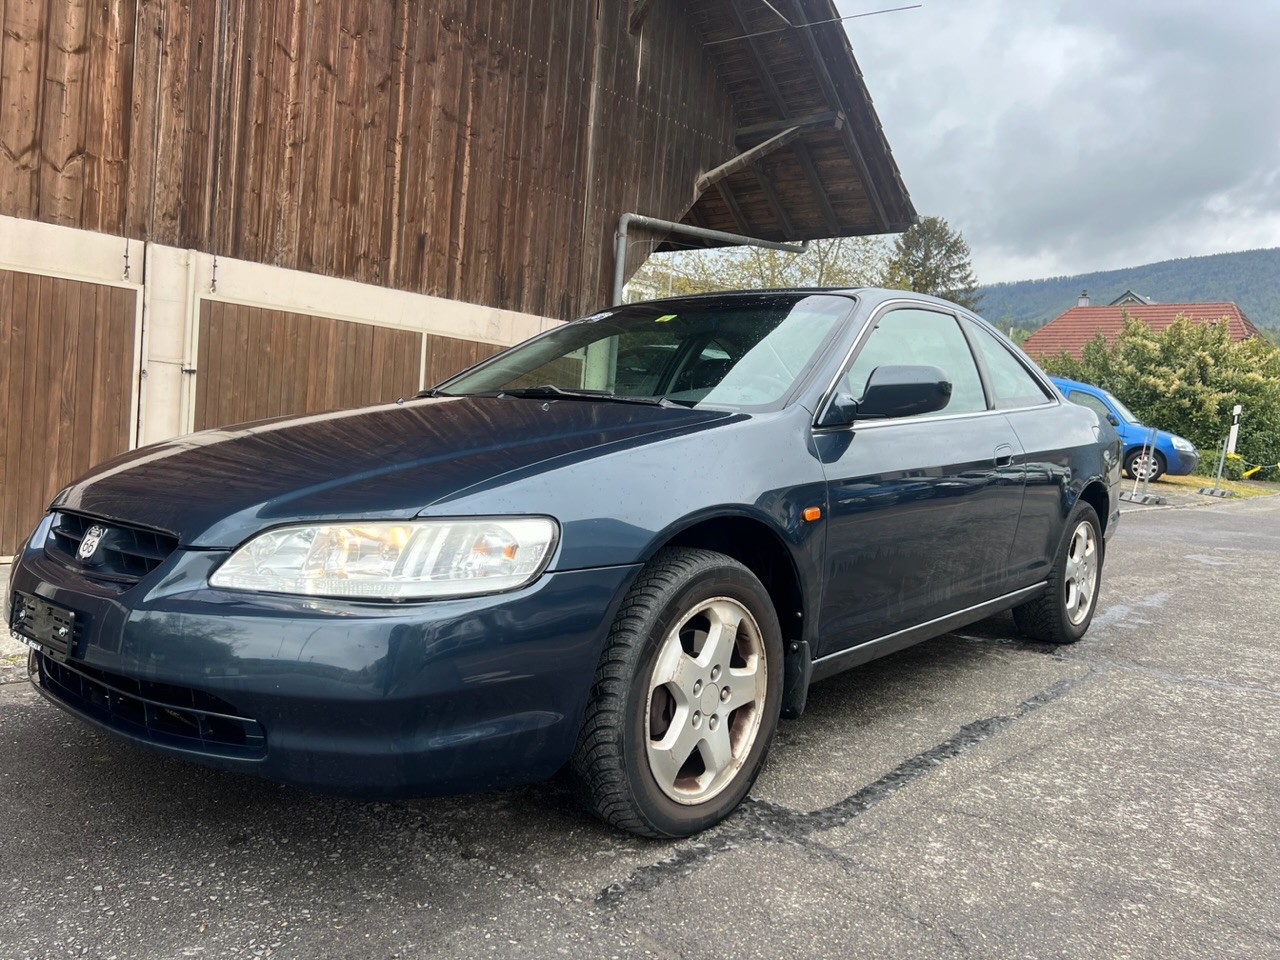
(1063,612)
(664,686)
(1135,465)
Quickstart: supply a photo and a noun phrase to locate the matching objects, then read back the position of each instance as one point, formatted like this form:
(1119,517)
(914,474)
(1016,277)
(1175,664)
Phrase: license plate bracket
(44,625)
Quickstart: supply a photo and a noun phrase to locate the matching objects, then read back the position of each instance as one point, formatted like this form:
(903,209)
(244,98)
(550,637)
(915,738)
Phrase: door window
(1090,401)
(910,336)
(1011,383)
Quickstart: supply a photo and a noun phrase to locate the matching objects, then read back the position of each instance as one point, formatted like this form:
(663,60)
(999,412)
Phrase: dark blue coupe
(626,546)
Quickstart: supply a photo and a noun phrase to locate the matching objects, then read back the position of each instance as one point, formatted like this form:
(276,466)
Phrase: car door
(1031,409)
(922,510)
(1128,432)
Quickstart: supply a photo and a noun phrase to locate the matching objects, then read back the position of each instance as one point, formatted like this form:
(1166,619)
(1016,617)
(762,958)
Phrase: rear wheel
(686,697)
(1062,613)
(1145,466)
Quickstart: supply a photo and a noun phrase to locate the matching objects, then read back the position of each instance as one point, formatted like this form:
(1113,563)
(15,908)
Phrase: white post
(1149,453)
(1235,429)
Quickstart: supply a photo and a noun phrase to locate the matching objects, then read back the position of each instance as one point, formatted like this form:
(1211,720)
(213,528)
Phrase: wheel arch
(1097,496)
(762,549)
(758,547)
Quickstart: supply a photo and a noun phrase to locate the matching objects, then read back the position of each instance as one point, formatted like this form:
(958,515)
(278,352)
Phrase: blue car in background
(1172,454)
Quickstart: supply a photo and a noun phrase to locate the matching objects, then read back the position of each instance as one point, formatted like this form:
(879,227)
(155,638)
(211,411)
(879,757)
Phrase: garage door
(67,362)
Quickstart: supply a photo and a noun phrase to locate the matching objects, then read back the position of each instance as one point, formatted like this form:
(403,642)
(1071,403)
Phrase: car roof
(872,294)
(1066,381)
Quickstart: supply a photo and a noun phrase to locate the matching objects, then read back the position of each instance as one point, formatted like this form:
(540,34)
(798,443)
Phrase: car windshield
(730,353)
(1126,414)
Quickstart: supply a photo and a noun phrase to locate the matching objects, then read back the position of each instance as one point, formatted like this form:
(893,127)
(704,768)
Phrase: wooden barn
(220,210)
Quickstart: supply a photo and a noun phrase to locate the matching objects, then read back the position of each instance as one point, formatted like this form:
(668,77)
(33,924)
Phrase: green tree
(839,262)
(1186,379)
(932,258)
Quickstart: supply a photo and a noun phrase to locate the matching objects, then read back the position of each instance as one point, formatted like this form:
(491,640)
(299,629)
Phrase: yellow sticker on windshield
(665,317)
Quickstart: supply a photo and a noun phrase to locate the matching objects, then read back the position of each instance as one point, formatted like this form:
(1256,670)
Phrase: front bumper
(355,698)
(1180,463)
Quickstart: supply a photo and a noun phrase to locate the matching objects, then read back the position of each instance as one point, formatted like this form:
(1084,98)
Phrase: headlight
(1186,446)
(410,560)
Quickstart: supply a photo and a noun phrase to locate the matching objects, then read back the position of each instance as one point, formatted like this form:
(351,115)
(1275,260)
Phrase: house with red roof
(1072,330)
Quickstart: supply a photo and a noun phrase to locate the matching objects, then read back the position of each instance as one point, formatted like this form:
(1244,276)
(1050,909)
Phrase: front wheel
(1062,613)
(685,699)
(1145,466)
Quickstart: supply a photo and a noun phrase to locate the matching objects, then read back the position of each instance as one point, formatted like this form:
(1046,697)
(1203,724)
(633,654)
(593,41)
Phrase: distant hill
(1251,278)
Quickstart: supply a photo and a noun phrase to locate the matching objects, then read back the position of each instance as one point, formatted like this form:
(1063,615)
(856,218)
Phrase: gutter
(627,219)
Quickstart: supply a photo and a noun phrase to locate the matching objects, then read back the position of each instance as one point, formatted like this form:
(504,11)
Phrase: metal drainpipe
(627,219)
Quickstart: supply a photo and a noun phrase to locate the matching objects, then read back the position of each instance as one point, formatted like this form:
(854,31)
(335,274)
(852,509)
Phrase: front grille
(161,713)
(125,553)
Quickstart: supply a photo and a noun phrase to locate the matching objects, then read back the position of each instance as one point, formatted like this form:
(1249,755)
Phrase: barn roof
(835,175)
(1075,328)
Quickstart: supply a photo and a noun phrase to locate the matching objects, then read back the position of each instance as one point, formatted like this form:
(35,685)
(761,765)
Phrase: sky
(1064,137)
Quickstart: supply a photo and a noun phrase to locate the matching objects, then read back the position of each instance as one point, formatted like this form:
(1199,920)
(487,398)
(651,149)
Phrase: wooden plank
(375,116)
(410,272)
(639,14)
(85,399)
(61,393)
(390,228)
(34,410)
(317,370)
(23,48)
(106,147)
(204,364)
(63,136)
(474,268)
(175,76)
(283,361)
(534,238)
(139,127)
(117,384)
(101,361)
(16,359)
(199,147)
(211,386)
(319,142)
(287,58)
(8,418)
(229,122)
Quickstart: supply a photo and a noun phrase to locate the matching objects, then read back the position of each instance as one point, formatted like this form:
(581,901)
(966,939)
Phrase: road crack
(761,820)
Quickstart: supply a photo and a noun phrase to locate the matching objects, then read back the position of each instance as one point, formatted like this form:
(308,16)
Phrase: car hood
(214,488)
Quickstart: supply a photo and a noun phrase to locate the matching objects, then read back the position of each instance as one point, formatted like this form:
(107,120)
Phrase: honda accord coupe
(625,547)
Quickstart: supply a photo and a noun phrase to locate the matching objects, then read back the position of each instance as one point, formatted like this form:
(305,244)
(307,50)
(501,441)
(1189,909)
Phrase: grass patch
(1194,482)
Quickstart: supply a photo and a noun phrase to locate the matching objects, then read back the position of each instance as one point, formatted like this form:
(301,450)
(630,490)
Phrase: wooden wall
(480,150)
(449,355)
(256,363)
(66,383)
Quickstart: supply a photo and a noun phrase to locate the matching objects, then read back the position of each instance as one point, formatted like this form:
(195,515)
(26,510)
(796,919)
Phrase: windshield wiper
(560,393)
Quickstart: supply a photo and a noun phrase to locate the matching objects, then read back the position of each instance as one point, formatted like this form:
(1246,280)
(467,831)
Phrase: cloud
(1070,136)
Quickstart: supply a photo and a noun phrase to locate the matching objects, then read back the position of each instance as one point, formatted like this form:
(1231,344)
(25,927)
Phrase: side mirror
(892,391)
(904,391)
(1113,419)
(842,411)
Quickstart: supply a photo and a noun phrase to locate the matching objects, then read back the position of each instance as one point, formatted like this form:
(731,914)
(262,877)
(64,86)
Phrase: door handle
(1003,455)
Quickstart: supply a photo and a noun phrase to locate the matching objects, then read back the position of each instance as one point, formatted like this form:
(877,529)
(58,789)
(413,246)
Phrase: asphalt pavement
(976,796)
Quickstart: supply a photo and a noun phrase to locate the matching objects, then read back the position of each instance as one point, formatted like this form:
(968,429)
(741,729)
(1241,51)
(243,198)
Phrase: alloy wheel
(706,699)
(1080,578)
